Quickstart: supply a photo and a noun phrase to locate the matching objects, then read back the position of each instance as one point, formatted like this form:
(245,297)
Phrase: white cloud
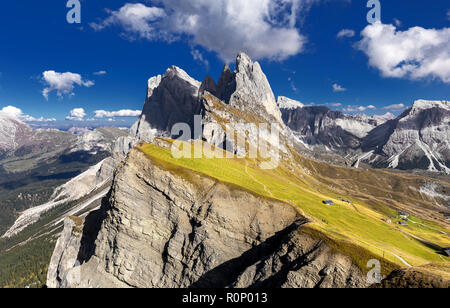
(135,18)
(16,113)
(415,53)
(100,73)
(346,33)
(223,26)
(359,108)
(62,83)
(11,111)
(99,114)
(395,107)
(338,88)
(27,118)
(77,114)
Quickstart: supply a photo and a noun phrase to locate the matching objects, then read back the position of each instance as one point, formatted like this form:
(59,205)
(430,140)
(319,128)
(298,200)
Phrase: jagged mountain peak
(246,88)
(178,73)
(253,89)
(171,98)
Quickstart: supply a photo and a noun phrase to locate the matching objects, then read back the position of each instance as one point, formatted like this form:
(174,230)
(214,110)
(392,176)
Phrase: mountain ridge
(162,212)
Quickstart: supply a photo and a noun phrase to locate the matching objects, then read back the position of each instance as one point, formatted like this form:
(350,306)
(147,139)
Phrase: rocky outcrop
(160,228)
(252,89)
(245,89)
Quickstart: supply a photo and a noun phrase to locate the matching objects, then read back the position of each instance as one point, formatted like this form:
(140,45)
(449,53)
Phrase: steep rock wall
(163,229)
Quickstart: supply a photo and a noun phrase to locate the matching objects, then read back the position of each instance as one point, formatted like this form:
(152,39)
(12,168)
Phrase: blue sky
(299,51)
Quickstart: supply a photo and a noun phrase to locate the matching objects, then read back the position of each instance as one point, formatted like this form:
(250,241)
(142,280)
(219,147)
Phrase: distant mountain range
(418,139)
(34,162)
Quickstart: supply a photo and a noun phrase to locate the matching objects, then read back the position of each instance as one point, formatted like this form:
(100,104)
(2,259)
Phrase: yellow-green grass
(359,225)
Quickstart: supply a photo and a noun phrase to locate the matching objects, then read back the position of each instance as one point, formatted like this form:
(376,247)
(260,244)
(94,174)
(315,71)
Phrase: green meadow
(354,229)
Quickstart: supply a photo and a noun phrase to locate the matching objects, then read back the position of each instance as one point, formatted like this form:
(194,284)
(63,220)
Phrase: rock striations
(418,138)
(158,229)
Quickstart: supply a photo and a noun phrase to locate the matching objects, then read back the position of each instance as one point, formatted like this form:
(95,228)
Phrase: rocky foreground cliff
(160,228)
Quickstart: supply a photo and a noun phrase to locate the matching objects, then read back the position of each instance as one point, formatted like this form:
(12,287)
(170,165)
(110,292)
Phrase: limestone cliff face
(161,229)
(171,99)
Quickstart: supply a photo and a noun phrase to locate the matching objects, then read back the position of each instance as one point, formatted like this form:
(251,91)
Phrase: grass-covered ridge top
(357,224)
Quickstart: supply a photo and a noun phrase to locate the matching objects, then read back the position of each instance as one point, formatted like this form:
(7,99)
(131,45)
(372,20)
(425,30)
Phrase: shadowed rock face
(171,99)
(155,229)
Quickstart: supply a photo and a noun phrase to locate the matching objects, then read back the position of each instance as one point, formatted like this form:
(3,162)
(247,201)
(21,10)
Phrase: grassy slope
(349,227)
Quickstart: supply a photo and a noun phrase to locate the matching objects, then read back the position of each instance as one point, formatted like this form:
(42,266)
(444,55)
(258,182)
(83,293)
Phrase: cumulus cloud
(338,88)
(222,26)
(346,33)
(62,83)
(11,111)
(394,107)
(135,18)
(77,114)
(359,108)
(415,53)
(99,114)
(16,113)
